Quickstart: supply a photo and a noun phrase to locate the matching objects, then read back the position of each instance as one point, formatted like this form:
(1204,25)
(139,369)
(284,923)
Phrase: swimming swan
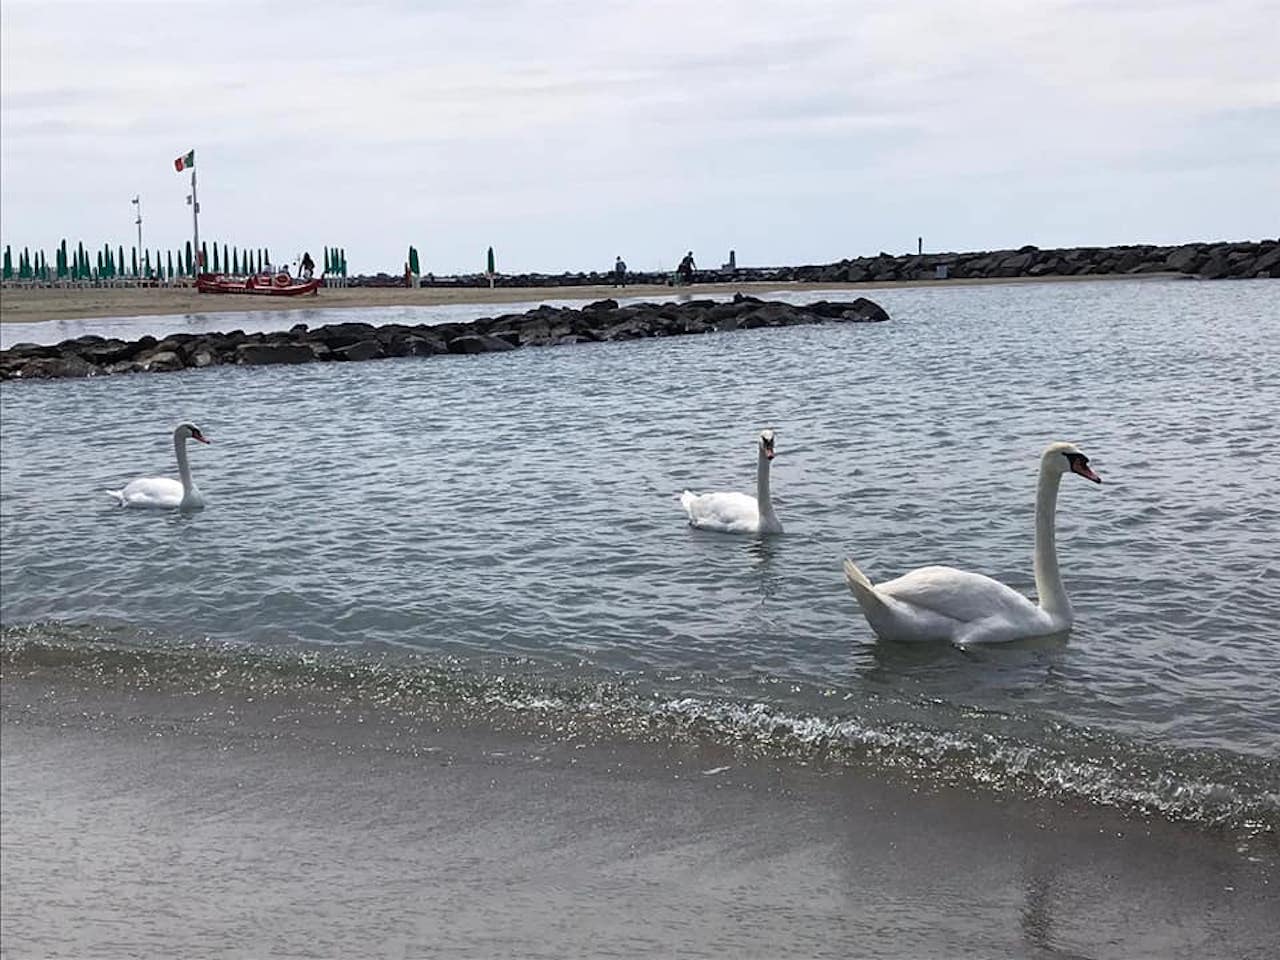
(737,512)
(164,493)
(942,603)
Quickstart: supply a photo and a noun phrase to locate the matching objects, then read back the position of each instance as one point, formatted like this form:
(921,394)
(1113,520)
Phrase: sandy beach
(19,305)
(148,822)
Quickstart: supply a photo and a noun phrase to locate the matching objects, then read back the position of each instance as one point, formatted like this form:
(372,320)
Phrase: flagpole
(195,224)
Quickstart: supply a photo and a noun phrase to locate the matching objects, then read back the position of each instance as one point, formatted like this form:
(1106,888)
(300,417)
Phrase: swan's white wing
(961,596)
(726,512)
(152,492)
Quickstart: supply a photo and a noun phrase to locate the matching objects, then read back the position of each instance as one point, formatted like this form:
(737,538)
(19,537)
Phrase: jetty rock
(604,321)
(1206,261)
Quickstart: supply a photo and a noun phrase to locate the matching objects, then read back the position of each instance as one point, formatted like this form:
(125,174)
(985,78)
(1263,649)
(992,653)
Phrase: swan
(942,603)
(737,512)
(164,493)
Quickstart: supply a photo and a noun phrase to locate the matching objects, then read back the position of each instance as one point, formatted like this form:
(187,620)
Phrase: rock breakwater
(603,321)
(1208,261)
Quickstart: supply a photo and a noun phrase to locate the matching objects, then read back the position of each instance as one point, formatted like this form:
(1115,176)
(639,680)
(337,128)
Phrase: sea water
(505,529)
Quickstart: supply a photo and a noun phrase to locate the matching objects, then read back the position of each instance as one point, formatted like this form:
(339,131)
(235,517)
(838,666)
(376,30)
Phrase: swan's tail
(118,494)
(873,606)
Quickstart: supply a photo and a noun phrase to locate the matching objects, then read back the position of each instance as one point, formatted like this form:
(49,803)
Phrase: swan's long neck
(1053,595)
(184,468)
(762,486)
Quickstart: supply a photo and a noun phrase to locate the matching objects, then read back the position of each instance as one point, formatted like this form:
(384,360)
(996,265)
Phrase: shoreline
(38,304)
(156,820)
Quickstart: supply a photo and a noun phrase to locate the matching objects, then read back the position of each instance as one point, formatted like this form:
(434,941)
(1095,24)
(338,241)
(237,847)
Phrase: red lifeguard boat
(259,285)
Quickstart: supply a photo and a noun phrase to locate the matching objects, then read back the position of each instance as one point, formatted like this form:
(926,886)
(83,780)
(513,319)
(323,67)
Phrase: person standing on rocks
(685,271)
(619,273)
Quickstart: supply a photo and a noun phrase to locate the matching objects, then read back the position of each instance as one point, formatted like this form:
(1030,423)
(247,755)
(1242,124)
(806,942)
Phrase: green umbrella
(8,263)
(216,263)
(188,259)
(491,270)
(235,259)
(171,263)
(413,260)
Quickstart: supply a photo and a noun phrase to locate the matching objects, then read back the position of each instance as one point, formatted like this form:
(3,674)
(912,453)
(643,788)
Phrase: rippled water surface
(524,504)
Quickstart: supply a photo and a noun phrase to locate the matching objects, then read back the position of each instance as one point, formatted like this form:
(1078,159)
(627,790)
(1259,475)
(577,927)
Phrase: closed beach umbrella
(235,259)
(216,267)
(413,260)
(171,263)
(119,262)
(8,263)
(491,270)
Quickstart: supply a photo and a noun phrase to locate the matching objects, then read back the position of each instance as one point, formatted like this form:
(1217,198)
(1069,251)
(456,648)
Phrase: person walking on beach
(619,273)
(308,265)
(686,268)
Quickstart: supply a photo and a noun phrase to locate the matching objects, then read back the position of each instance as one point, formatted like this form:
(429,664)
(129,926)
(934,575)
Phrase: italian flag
(185,163)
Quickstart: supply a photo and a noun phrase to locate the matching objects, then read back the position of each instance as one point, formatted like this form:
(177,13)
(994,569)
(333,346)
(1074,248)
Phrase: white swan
(737,512)
(164,493)
(942,603)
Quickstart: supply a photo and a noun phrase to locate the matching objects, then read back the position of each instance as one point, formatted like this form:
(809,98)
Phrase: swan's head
(189,431)
(1066,457)
(766,444)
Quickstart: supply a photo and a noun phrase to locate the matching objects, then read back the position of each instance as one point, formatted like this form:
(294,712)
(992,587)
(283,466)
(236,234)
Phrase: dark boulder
(478,343)
(336,335)
(160,361)
(369,349)
(56,367)
(255,354)
(1186,259)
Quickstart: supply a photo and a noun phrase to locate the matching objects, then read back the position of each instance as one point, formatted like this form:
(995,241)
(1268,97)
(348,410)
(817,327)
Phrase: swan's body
(737,512)
(165,493)
(945,604)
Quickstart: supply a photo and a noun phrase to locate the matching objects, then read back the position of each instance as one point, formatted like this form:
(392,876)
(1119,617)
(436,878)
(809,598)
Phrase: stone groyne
(1207,261)
(602,322)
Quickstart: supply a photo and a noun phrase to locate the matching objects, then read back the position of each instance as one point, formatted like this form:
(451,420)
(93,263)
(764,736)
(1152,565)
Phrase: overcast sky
(564,133)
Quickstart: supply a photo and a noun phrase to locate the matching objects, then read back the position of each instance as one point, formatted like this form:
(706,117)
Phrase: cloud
(558,128)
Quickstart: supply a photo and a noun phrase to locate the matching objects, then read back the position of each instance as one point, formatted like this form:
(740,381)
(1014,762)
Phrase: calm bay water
(521,509)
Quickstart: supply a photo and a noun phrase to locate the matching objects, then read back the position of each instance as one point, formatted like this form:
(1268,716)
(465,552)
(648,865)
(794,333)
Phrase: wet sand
(158,823)
(18,305)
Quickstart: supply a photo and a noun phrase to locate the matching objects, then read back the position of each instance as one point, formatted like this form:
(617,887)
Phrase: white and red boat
(259,284)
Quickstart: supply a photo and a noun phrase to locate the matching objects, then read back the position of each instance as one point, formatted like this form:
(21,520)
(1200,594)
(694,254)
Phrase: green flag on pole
(185,162)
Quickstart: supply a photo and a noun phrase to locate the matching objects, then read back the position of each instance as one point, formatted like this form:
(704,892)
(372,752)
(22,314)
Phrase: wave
(943,746)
